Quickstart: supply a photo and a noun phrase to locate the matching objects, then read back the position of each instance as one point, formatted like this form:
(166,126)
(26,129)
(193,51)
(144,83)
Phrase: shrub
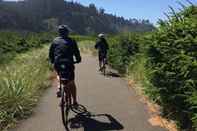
(173,61)
(13,42)
(21,82)
(123,48)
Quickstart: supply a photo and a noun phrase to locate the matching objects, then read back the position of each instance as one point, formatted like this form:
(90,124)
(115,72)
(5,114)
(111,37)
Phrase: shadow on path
(91,122)
(112,74)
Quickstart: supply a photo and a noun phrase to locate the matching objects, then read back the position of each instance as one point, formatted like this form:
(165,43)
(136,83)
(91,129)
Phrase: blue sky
(140,9)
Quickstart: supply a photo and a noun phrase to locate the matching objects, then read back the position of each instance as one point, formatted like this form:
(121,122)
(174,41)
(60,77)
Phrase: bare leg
(73,91)
(68,95)
(58,87)
(100,64)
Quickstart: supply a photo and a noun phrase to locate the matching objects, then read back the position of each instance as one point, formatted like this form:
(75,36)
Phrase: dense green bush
(123,48)
(13,42)
(173,61)
(165,61)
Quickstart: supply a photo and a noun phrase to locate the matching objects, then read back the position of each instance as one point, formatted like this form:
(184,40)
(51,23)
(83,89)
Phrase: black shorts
(65,71)
(102,56)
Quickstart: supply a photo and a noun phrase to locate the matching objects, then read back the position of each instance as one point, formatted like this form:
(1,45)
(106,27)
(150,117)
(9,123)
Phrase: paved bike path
(114,105)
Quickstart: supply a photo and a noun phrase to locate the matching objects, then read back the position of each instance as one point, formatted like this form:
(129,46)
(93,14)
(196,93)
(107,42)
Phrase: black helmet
(63,29)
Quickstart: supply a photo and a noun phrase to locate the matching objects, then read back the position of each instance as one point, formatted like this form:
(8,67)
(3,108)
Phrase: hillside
(45,15)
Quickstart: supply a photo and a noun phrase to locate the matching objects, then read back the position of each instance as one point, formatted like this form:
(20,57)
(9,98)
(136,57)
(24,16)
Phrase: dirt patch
(53,76)
(156,119)
(154,110)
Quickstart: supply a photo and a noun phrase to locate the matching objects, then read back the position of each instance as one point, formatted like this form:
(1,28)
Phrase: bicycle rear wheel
(64,108)
(104,70)
(79,110)
(104,67)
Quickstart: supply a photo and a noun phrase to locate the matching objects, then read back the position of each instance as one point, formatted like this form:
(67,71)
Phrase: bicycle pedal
(59,94)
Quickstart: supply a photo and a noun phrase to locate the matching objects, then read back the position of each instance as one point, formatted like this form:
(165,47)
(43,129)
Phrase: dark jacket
(102,45)
(64,48)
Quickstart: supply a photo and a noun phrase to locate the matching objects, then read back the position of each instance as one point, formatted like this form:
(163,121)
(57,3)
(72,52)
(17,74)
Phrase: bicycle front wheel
(104,67)
(63,108)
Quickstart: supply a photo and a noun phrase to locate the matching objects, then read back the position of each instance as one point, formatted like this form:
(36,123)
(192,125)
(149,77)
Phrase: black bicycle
(103,68)
(66,103)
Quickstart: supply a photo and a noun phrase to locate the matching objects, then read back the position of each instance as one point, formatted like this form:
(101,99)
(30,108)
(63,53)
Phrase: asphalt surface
(113,106)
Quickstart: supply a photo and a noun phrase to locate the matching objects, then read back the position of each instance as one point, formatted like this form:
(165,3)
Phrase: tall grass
(23,75)
(83,38)
(87,46)
(20,84)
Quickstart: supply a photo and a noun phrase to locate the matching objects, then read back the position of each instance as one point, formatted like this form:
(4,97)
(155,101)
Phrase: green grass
(87,46)
(24,70)
(83,38)
(136,68)
(20,85)
(138,72)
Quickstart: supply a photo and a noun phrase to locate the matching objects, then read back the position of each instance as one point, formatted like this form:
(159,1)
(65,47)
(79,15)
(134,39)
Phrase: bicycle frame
(104,65)
(65,104)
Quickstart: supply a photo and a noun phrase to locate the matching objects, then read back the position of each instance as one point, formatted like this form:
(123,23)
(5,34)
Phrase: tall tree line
(45,15)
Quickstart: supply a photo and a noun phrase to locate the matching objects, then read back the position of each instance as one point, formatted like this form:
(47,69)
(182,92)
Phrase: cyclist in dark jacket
(102,47)
(62,52)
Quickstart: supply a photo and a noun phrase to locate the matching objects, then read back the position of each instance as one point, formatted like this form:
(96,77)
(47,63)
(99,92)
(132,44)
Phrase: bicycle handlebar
(75,62)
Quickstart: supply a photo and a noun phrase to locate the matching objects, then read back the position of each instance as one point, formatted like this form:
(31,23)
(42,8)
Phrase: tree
(42,15)
(51,24)
(92,8)
(101,11)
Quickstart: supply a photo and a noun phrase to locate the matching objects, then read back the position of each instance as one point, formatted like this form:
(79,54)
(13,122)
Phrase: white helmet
(101,35)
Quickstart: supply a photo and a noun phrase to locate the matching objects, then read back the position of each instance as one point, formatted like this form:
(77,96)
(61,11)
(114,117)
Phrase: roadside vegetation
(21,82)
(24,72)
(12,43)
(165,61)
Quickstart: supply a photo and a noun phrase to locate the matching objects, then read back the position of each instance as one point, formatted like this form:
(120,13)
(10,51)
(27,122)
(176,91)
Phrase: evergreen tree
(42,13)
